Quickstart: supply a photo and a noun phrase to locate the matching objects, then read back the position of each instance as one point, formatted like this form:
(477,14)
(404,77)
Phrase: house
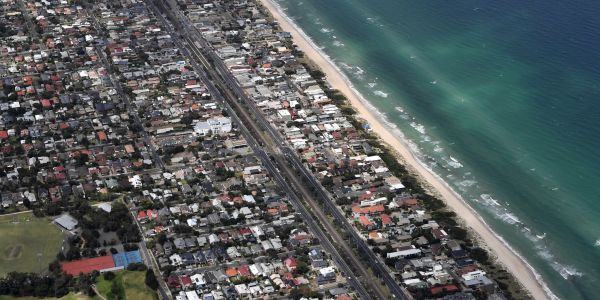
(136,181)
(175,260)
(231,272)
(325,278)
(142,216)
(290,263)
(173,281)
(412,252)
(191,295)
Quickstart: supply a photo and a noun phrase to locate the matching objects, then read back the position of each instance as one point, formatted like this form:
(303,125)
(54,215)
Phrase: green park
(28,244)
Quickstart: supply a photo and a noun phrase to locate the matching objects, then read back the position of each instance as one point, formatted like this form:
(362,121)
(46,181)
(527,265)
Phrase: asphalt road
(372,260)
(194,56)
(149,258)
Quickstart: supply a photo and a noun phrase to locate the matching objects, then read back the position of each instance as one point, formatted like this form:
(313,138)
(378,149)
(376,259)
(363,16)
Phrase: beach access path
(506,256)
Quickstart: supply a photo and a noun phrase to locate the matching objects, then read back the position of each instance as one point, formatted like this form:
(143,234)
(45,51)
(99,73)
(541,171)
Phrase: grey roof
(66,221)
(338,291)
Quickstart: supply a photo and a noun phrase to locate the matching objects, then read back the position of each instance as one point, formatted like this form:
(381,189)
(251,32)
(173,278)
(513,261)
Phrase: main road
(193,57)
(221,75)
(149,259)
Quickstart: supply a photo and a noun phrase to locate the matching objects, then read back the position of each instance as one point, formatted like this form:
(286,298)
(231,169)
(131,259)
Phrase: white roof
(326,270)
(107,207)
(372,158)
(403,253)
(191,295)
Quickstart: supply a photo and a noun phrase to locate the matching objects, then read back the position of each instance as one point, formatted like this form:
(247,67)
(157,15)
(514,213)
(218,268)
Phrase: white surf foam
(467,183)
(418,127)
(453,162)
(510,218)
(358,70)
(338,44)
(487,198)
(381,94)
(566,271)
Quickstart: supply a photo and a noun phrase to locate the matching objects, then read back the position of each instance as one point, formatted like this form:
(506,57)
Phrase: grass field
(28,244)
(132,281)
(70,296)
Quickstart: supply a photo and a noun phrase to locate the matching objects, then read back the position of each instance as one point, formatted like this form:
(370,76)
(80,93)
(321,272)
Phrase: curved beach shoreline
(504,253)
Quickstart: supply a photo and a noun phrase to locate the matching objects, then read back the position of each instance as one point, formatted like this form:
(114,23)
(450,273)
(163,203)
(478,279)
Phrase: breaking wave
(381,94)
(338,44)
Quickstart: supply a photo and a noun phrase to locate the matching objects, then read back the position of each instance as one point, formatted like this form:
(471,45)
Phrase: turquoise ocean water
(501,99)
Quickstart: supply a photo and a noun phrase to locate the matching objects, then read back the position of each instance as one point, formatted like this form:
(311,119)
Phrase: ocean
(501,99)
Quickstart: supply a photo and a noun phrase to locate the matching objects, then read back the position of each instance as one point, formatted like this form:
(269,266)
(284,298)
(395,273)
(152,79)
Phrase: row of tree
(52,285)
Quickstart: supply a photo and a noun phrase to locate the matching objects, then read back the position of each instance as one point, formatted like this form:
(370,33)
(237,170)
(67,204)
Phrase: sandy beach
(505,255)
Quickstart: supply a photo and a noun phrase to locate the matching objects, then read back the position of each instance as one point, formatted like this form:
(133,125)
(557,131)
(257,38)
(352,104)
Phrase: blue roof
(124,259)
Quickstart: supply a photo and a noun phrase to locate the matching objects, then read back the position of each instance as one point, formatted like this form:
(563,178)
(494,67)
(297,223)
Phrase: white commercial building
(217,125)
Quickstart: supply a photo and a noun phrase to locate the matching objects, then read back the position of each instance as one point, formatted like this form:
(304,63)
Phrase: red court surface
(88,265)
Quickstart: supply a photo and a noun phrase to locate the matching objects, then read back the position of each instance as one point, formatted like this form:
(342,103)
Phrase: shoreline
(500,249)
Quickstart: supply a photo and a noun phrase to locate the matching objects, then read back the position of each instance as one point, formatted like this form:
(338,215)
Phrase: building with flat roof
(88,265)
(66,221)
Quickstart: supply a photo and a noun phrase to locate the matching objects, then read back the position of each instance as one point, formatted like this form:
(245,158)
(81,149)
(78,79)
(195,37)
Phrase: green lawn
(28,244)
(132,281)
(69,296)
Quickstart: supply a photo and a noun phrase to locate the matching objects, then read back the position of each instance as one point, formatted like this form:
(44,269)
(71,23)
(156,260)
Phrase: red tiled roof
(446,288)
(363,220)
(231,272)
(385,219)
(87,265)
(186,280)
(102,136)
(290,262)
(368,209)
(409,202)
(244,271)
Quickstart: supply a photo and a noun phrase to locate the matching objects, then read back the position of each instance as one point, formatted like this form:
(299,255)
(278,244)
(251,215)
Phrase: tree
(161,238)
(317,74)
(151,279)
(27,203)
(182,228)
(303,292)
(301,268)
(480,255)
(137,267)
(117,290)
(458,233)
(109,275)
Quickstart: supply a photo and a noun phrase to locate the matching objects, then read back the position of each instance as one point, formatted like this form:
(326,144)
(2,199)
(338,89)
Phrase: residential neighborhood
(101,104)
